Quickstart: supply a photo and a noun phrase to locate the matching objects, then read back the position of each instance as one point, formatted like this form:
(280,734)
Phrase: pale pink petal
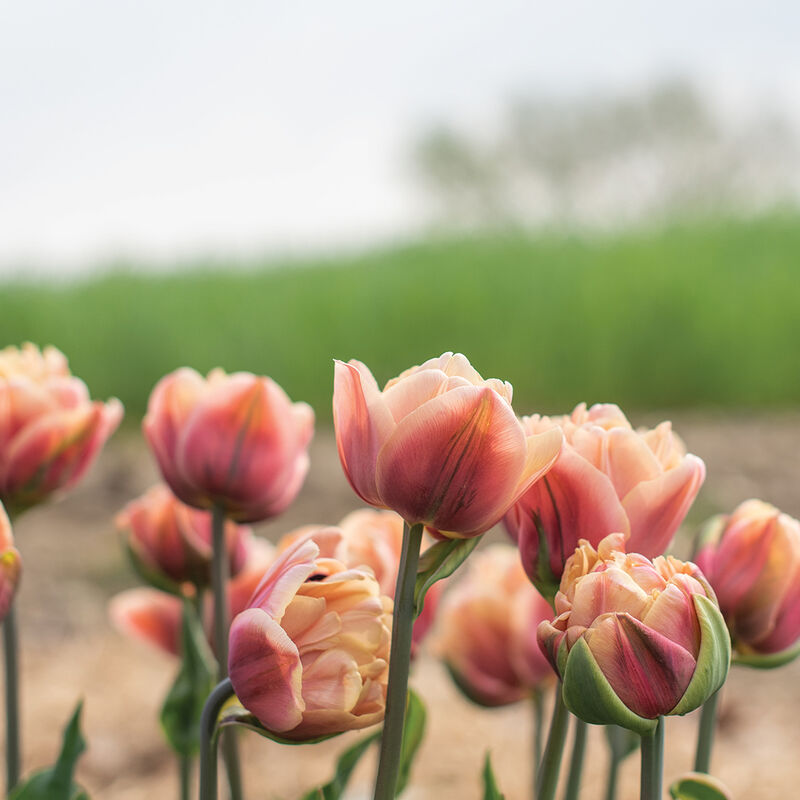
(612,590)
(150,616)
(331,680)
(628,460)
(407,395)
(673,615)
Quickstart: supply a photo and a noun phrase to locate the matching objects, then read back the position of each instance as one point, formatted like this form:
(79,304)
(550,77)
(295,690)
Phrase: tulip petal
(407,395)
(10,569)
(785,628)
(286,575)
(331,681)
(150,616)
(609,591)
(628,460)
(672,614)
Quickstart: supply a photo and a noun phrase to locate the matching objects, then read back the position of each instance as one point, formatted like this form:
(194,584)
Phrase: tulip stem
(399,661)
(554,750)
(653,762)
(185,776)
(208,740)
(538,724)
(576,764)
(12,699)
(705,736)
(613,775)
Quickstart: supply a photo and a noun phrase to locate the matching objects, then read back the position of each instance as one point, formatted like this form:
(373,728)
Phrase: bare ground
(73,563)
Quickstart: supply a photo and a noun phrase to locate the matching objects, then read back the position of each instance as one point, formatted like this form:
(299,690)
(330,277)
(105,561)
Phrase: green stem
(185,775)
(399,660)
(538,724)
(208,739)
(705,736)
(12,699)
(551,762)
(613,775)
(653,762)
(576,763)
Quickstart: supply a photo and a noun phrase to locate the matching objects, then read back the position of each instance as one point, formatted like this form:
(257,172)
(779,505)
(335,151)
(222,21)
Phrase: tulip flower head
(752,559)
(10,565)
(233,441)
(439,445)
(50,430)
(608,478)
(487,630)
(309,656)
(634,639)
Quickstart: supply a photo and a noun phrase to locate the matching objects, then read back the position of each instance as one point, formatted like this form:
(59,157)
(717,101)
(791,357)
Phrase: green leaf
(183,706)
(438,562)
(413,733)
(55,783)
(235,715)
(345,765)
(695,786)
(490,789)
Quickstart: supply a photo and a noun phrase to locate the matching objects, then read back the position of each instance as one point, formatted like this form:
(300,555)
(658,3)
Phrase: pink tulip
(50,430)
(174,541)
(234,441)
(10,565)
(439,445)
(609,478)
(487,630)
(752,559)
(309,656)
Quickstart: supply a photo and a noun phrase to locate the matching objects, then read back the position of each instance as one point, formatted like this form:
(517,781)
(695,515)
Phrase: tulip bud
(10,565)
(50,430)
(439,445)
(752,559)
(487,630)
(309,656)
(233,441)
(634,640)
(608,478)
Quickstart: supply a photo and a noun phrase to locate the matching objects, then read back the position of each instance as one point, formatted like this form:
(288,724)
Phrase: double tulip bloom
(634,639)
(439,445)
(50,430)
(235,442)
(609,478)
(487,630)
(752,559)
(10,565)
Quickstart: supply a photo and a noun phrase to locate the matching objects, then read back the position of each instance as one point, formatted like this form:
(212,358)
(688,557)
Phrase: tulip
(752,559)
(439,445)
(634,639)
(487,630)
(50,430)
(608,479)
(235,442)
(172,542)
(10,565)
(309,656)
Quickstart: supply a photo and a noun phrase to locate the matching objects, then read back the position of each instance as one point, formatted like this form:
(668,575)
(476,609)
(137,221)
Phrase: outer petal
(150,616)
(10,570)
(629,460)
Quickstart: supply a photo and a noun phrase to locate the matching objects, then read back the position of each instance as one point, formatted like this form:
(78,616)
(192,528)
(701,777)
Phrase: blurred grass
(699,315)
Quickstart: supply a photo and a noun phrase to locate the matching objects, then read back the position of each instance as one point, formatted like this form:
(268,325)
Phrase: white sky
(168,128)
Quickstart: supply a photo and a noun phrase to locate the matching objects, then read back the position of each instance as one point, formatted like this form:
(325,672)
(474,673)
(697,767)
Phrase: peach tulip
(50,430)
(487,630)
(10,565)
(309,656)
(608,478)
(173,541)
(634,639)
(439,445)
(233,441)
(752,559)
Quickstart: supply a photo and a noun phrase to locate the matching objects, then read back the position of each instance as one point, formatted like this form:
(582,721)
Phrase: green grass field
(701,315)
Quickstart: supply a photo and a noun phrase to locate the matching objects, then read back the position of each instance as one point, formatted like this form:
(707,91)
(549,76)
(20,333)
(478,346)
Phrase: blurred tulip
(309,656)
(50,430)
(633,639)
(439,445)
(752,559)
(10,565)
(487,630)
(234,441)
(173,541)
(608,478)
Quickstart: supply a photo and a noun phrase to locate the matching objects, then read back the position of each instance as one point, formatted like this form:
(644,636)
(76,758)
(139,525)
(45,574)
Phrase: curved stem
(12,699)
(551,762)
(705,735)
(653,763)
(399,660)
(538,724)
(208,740)
(576,763)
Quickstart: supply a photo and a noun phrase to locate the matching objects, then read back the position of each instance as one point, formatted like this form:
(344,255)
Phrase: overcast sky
(164,129)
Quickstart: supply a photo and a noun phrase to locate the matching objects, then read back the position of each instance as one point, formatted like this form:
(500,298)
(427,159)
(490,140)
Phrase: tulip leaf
(490,788)
(150,575)
(696,786)
(183,706)
(345,765)
(438,562)
(235,715)
(55,783)
(413,733)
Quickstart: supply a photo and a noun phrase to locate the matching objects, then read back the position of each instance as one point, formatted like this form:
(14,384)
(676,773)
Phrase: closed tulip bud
(608,479)
(309,656)
(487,630)
(10,565)
(752,559)
(439,445)
(172,542)
(634,639)
(232,441)
(50,430)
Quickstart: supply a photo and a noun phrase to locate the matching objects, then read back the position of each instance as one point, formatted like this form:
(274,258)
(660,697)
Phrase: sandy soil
(73,563)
